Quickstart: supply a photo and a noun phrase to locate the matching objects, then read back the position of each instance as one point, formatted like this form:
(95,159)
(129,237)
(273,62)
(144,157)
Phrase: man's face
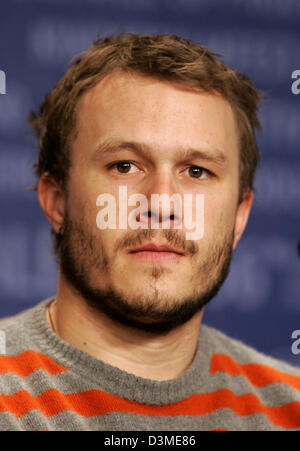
(140,133)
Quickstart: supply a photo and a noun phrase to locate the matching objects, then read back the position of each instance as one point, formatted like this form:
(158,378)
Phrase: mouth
(153,253)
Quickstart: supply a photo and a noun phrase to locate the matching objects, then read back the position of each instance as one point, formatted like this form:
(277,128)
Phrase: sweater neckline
(112,379)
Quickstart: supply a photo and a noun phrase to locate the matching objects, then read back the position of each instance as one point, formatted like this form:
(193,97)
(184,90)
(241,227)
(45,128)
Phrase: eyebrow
(209,154)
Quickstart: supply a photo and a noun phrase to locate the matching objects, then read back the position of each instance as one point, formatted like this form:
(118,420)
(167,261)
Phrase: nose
(164,200)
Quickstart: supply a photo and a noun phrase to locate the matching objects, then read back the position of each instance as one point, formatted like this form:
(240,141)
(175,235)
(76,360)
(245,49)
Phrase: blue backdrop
(260,301)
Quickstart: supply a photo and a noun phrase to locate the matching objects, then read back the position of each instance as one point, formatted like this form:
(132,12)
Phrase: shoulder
(255,386)
(24,360)
(17,331)
(234,355)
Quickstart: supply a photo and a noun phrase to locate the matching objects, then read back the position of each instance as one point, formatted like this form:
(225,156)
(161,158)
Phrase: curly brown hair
(164,57)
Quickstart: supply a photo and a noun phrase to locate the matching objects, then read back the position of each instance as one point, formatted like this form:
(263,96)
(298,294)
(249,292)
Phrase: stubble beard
(81,252)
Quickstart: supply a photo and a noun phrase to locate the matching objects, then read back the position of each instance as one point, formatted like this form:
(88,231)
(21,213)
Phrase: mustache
(173,238)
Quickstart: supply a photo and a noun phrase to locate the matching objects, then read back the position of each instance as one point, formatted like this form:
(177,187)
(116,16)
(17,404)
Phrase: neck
(157,357)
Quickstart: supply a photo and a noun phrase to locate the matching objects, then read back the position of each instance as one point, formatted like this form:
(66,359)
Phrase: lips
(151,247)
(154,253)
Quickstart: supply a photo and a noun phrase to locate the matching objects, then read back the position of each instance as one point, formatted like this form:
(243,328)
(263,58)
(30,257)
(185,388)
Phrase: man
(121,345)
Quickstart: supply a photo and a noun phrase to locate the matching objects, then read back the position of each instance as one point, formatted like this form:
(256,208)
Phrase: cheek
(82,206)
(83,193)
(219,216)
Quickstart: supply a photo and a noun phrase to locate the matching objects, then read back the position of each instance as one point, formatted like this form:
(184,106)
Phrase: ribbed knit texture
(47,384)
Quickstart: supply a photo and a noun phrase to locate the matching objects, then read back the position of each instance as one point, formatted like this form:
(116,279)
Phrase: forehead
(161,114)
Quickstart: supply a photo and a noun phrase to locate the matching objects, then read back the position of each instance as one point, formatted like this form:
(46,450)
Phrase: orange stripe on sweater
(95,402)
(27,362)
(259,375)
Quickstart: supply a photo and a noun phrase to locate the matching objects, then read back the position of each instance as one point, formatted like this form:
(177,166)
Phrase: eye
(123,167)
(197,172)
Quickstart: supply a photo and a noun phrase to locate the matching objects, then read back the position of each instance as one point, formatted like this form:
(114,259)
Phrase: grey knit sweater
(46,384)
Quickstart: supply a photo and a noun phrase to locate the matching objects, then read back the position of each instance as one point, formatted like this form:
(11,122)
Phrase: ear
(242,216)
(52,201)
